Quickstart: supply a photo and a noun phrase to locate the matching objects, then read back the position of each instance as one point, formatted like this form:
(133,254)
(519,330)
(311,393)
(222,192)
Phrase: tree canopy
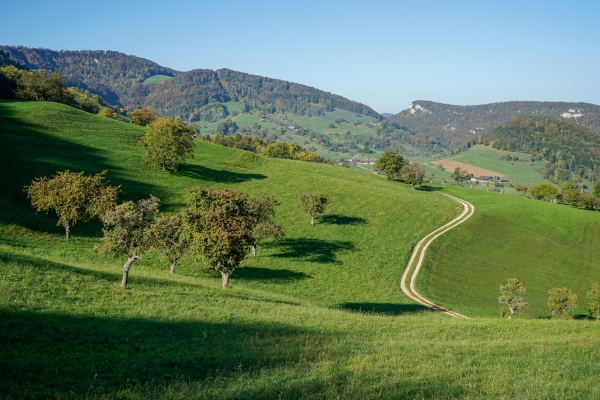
(74,197)
(313,204)
(511,297)
(391,164)
(168,143)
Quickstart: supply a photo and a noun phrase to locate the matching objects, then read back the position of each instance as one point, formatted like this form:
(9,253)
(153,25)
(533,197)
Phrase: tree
(545,191)
(222,221)
(413,174)
(142,116)
(168,143)
(560,302)
(108,112)
(42,86)
(170,236)
(262,210)
(594,304)
(313,204)
(391,164)
(521,189)
(73,197)
(597,189)
(460,175)
(511,297)
(126,231)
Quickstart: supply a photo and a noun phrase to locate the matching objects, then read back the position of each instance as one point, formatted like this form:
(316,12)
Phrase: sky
(384,54)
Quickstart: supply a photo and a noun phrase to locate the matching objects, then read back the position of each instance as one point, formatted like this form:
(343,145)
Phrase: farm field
(544,245)
(316,315)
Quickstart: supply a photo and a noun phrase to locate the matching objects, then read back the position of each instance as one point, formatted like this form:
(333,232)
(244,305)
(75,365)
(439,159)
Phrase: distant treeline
(119,78)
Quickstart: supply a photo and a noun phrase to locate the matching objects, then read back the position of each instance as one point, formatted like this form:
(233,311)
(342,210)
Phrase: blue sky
(382,53)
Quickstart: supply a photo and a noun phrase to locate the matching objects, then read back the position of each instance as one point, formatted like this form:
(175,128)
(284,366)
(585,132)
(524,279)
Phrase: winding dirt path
(418,254)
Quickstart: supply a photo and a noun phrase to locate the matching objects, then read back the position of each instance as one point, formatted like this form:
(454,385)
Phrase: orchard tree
(413,174)
(461,175)
(262,209)
(597,189)
(544,191)
(170,236)
(127,231)
(222,221)
(594,304)
(313,204)
(142,116)
(511,297)
(560,302)
(391,164)
(168,143)
(73,197)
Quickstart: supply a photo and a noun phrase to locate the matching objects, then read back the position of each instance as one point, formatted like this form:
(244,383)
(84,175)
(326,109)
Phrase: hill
(452,125)
(317,315)
(128,81)
(567,146)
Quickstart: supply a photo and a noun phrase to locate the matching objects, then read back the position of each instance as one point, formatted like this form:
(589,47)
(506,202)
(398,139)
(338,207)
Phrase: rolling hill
(453,125)
(316,315)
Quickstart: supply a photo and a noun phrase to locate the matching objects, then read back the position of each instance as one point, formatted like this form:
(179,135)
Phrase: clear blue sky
(382,53)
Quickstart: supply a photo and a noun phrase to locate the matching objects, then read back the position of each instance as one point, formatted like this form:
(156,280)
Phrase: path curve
(418,255)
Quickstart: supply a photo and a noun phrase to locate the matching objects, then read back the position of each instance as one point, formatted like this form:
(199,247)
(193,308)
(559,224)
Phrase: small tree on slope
(594,304)
(73,196)
(126,231)
(560,302)
(313,204)
(168,143)
(511,297)
(262,209)
(170,236)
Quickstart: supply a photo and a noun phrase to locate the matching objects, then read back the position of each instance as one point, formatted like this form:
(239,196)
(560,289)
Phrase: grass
(544,245)
(318,315)
(156,79)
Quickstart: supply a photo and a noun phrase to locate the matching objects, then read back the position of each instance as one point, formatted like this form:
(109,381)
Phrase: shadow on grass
(384,308)
(266,274)
(337,219)
(28,151)
(215,175)
(312,250)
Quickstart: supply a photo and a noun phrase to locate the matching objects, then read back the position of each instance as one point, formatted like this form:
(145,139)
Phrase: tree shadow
(384,308)
(215,175)
(311,250)
(338,219)
(266,274)
(28,151)
(52,353)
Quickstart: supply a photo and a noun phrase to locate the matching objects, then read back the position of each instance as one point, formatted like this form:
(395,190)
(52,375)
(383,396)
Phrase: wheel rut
(409,277)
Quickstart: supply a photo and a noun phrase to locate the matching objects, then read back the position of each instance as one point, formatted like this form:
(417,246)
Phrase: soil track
(418,254)
(450,165)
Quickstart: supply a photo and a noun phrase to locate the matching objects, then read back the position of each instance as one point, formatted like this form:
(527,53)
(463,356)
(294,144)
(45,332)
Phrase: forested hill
(567,145)
(134,82)
(452,125)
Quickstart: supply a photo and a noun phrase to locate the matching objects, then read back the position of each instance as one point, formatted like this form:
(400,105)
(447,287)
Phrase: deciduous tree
(413,174)
(171,237)
(511,297)
(142,116)
(168,143)
(262,209)
(544,191)
(594,305)
(391,164)
(73,197)
(42,86)
(313,204)
(127,231)
(222,221)
(560,302)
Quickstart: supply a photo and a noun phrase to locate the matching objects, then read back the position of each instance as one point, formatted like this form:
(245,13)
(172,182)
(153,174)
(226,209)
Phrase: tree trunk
(68,230)
(225,277)
(173,265)
(312,220)
(164,164)
(126,268)
(413,187)
(253,250)
(511,313)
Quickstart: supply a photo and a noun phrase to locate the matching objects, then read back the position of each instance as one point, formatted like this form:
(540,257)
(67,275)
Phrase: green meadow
(156,79)
(318,314)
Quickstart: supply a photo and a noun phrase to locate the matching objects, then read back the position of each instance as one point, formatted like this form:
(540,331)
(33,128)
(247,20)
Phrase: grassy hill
(317,315)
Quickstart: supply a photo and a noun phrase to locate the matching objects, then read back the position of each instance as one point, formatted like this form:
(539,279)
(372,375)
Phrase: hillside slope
(120,78)
(317,315)
(453,125)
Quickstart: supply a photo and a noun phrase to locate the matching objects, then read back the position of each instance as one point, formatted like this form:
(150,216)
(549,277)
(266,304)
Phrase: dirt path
(418,254)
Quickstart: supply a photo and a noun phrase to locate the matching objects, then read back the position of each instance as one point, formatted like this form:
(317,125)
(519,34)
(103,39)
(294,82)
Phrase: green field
(156,79)
(316,315)
(545,245)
